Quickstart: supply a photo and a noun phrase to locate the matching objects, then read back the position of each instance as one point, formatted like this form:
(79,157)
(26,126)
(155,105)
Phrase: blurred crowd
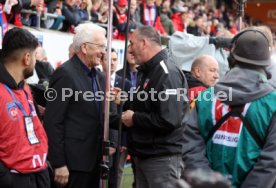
(166,16)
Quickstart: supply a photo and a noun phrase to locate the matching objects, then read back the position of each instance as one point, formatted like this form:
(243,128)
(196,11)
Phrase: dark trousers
(84,179)
(33,180)
(158,172)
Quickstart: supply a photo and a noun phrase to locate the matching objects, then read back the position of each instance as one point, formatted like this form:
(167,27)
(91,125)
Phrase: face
(150,2)
(30,64)
(40,56)
(136,47)
(133,6)
(114,62)
(72,2)
(130,58)
(166,6)
(83,4)
(94,50)
(208,72)
(122,9)
(200,23)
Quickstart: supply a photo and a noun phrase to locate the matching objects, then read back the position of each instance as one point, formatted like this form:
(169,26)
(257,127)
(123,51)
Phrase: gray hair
(150,33)
(84,33)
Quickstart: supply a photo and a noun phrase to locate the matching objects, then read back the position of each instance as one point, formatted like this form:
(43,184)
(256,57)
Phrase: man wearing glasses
(73,121)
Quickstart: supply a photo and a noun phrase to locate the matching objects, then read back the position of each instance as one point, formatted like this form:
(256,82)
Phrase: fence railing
(41,16)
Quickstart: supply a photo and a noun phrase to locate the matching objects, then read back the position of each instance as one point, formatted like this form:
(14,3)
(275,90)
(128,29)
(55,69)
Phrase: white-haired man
(73,123)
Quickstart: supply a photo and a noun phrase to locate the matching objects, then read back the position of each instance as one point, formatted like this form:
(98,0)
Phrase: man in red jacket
(23,142)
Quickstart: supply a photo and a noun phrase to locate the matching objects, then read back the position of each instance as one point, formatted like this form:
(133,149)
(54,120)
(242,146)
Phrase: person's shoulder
(171,66)
(64,71)
(120,78)
(100,73)
(119,72)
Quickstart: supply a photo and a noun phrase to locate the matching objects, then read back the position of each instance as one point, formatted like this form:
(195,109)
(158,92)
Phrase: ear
(197,72)
(83,48)
(26,58)
(144,42)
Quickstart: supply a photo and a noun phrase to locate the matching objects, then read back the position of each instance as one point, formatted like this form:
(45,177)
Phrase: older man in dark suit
(74,120)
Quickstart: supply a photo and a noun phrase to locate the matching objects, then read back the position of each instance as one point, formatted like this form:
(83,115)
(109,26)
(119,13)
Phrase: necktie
(93,75)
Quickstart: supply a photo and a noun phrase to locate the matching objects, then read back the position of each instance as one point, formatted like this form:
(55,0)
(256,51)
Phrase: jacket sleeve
(22,4)
(263,175)
(168,111)
(194,151)
(54,118)
(71,15)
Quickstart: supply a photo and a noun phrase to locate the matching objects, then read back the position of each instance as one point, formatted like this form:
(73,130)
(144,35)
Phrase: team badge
(146,83)
(12,111)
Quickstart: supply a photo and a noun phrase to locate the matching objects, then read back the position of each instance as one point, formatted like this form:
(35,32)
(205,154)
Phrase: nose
(216,75)
(112,62)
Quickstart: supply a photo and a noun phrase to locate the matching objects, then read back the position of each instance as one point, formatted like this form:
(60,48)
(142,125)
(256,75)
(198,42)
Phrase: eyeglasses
(101,46)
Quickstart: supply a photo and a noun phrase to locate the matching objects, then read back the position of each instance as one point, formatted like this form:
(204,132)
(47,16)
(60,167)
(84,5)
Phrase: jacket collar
(7,79)
(148,66)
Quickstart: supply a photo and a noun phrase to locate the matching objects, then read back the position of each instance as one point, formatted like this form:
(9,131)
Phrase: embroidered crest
(12,111)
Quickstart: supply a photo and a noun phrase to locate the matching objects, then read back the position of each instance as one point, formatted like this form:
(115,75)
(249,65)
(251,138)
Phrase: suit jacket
(121,72)
(128,76)
(113,133)
(119,82)
(74,125)
(44,71)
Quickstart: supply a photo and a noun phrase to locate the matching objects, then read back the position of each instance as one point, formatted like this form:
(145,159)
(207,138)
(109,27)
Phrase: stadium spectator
(196,27)
(165,17)
(71,14)
(120,19)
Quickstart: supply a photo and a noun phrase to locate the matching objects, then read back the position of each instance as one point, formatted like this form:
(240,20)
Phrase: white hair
(85,33)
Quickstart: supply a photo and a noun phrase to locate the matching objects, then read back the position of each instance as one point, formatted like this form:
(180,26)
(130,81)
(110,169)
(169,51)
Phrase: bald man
(204,73)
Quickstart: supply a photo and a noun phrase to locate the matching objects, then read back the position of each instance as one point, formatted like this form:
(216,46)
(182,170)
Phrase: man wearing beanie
(233,131)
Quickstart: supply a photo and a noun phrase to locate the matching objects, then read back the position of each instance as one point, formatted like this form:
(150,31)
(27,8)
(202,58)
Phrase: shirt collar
(90,72)
(112,79)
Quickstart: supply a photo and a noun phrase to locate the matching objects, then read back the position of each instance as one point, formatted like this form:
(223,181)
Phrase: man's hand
(41,109)
(62,175)
(115,94)
(127,118)
(112,150)
(122,149)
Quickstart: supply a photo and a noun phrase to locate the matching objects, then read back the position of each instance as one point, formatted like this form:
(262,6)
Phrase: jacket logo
(12,111)
(229,132)
(146,83)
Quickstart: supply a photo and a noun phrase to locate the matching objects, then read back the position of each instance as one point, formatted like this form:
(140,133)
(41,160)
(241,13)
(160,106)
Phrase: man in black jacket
(157,110)
(74,120)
